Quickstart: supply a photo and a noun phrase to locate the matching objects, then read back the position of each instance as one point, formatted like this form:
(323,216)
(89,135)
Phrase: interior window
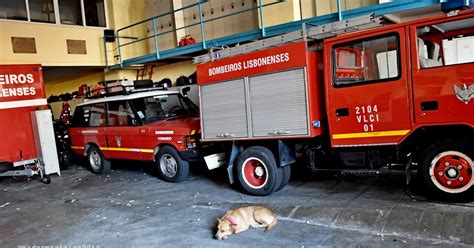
(446,43)
(97,115)
(120,113)
(367,60)
(70,12)
(95,13)
(42,11)
(15,10)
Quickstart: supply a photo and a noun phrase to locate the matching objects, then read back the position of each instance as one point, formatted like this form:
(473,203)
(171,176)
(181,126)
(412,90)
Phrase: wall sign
(23,45)
(76,47)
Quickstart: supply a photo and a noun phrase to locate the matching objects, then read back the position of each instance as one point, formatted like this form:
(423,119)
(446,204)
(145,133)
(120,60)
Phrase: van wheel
(286,174)
(63,161)
(257,171)
(446,171)
(170,165)
(97,162)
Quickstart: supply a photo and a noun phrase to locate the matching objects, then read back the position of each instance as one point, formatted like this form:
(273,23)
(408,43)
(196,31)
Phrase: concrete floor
(131,207)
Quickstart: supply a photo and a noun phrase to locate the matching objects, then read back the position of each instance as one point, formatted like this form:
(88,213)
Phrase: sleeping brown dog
(241,219)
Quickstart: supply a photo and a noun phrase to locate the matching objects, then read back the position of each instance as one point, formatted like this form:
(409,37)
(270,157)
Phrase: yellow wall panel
(173,71)
(51,38)
(51,44)
(68,85)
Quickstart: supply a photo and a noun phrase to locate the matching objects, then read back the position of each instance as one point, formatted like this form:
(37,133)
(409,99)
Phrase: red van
(158,125)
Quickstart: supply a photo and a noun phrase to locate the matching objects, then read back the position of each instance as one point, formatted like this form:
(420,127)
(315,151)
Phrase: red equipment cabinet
(394,95)
(23,126)
(283,77)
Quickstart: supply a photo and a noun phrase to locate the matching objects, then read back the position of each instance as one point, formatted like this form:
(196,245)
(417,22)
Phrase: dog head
(224,228)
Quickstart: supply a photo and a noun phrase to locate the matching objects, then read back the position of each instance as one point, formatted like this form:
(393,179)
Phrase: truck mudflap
(192,155)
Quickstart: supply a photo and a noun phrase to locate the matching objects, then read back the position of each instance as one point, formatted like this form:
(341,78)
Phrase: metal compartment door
(278,104)
(223,110)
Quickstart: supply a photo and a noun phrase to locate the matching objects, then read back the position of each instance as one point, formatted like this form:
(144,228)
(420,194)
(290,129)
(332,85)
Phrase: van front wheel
(171,167)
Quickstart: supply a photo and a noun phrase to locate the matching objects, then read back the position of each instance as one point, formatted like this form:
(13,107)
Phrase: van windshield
(160,107)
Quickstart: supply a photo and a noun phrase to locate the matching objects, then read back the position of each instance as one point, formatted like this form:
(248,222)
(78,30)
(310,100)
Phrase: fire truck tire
(97,162)
(285,178)
(171,167)
(447,171)
(257,171)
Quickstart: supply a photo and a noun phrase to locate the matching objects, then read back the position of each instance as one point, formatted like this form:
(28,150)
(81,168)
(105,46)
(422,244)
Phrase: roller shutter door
(278,104)
(223,109)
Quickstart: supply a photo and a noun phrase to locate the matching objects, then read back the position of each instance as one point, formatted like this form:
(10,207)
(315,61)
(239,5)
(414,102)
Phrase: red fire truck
(26,127)
(148,124)
(391,94)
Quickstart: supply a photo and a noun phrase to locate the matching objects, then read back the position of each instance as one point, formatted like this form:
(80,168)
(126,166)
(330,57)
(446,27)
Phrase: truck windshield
(160,107)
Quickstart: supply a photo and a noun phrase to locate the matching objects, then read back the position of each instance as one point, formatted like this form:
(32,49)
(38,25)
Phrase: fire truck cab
(399,94)
(148,125)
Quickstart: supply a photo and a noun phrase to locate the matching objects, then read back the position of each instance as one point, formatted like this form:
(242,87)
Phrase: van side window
(97,115)
(366,61)
(81,116)
(120,113)
(446,43)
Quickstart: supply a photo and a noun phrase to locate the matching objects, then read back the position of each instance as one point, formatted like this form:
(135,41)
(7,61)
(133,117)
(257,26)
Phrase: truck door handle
(225,135)
(342,112)
(430,105)
(279,132)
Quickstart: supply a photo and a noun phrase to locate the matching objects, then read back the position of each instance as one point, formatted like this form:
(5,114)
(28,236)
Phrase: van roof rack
(308,32)
(118,88)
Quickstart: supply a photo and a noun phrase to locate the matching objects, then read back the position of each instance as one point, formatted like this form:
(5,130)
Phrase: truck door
(367,89)
(123,135)
(443,78)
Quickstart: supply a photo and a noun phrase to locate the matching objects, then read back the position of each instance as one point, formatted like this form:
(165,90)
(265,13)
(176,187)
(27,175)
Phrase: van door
(367,91)
(88,127)
(123,134)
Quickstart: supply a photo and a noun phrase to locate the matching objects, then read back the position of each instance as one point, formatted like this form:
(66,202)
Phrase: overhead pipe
(339,10)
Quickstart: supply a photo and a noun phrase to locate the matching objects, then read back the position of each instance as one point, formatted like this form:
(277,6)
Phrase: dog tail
(272,225)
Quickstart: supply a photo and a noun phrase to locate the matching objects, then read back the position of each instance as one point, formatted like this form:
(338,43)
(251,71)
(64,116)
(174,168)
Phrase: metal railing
(261,32)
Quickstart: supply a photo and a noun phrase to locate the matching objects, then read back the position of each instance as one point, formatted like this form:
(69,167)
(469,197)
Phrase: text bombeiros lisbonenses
(12,85)
(249,64)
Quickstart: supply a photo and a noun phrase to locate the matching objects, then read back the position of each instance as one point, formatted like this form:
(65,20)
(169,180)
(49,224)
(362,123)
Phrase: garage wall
(68,85)
(173,71)
(124,13)
(284,12)
(294,10)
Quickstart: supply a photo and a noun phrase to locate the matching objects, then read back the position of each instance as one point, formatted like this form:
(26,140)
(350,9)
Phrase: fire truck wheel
(286,174)
(171,167)
(97,162)
(446,171)
(257,171)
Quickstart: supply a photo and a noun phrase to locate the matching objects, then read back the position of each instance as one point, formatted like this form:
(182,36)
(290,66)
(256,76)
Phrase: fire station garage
(236,123)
